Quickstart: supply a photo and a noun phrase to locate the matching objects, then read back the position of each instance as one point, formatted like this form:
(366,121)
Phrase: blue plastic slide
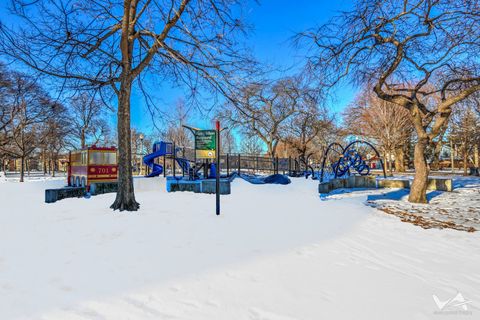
(159,149)
(184,164)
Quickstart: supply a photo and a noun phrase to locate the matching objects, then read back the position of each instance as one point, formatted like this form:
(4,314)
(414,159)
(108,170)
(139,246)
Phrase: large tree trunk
(400,159)
(418,190)
(22,169)
(125,199)
(386,163)
(465,159)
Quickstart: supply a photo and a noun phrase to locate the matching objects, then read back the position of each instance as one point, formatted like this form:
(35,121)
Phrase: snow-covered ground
(275,253)
(459,209)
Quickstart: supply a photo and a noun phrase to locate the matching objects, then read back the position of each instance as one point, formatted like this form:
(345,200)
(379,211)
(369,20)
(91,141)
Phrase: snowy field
(275,253)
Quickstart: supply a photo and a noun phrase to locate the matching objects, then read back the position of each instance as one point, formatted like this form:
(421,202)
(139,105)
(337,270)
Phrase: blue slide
(161,149)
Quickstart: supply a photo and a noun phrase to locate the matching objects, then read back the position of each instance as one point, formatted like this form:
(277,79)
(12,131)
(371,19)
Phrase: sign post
(217,167)
(207,146)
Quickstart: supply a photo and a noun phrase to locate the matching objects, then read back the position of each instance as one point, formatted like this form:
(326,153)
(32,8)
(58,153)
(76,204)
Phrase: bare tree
(261,109)
(7,107)
(393,43)
(465,132)
(251,145)
(304,130)
(228,141)
(387,124)
(176,132)
(32,109)
(88,119)
(112,44)
(140,145)
(54,132)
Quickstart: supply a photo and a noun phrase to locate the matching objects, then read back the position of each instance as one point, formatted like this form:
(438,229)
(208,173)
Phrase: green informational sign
(205,144)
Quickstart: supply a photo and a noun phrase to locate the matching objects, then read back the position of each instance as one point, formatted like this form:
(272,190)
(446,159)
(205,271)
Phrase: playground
(175,259)
(239,160)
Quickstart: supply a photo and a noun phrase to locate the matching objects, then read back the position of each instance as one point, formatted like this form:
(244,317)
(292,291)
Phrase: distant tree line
(420,55)
(35,126)
(390,128)
(282,117)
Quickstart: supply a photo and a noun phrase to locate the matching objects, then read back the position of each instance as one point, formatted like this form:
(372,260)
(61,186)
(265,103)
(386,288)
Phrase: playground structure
(346,168)
(343,162)
(91,167)
(188,173)
(189,167)
(160,162)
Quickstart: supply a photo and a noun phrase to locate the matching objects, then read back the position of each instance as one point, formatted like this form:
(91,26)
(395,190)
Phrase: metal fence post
(228,165)
(164,166)
(173,159)
(239,167)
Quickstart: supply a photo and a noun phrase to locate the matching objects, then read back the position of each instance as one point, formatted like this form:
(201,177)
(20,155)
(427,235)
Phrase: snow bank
(276,252)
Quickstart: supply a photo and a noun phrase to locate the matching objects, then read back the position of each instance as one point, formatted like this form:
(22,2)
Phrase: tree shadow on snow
(400,194)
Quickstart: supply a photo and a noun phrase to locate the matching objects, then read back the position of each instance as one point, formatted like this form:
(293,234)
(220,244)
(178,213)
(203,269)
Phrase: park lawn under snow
(275,253)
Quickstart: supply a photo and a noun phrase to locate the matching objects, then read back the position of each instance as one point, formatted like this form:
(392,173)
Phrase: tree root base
(131,205)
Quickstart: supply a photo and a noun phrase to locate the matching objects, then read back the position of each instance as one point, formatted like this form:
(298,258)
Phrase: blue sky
(274,24)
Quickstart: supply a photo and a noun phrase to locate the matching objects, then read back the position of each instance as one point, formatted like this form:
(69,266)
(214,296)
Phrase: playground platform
(436,184)
(197,186)
(53,195)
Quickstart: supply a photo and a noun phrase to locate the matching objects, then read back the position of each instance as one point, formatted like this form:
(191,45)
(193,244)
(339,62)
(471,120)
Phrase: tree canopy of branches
(307,131)
(88,120)
(175,132)
(7,107)
(113,44)
(55,131)
(30,112)
(262,109)
(465,132)
(251,145)
(387,124)
(409,51)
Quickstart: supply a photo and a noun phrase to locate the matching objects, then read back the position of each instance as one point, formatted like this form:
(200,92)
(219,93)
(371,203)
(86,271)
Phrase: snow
(459,209)
(277,252)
